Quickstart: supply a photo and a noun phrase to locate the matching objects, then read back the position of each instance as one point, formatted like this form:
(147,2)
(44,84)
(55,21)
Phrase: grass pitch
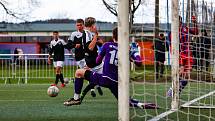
(30,102)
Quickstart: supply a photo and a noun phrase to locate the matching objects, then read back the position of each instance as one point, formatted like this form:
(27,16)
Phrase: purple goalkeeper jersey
(110,68)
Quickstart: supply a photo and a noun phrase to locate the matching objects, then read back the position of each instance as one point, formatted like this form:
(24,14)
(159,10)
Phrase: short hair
(55,32)
(161,34)
(180,19)
(89,21)
(80,21)
(115,33)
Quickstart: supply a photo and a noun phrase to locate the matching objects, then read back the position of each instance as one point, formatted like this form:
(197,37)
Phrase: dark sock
(61,78)
(133,102)
(57,78)
(78,85)
(182,83)
(86,90)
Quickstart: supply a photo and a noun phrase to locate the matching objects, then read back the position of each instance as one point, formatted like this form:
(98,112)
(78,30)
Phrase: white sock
(76,96)
(140,105)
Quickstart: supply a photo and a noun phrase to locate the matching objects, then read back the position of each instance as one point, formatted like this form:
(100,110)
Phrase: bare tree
(156,29)
(24,11)
(111,5)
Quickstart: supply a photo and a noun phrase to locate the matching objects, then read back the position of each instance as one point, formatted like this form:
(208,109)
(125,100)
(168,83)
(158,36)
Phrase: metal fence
(25,67)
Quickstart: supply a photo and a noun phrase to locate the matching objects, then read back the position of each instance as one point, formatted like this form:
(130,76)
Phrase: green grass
(31,103)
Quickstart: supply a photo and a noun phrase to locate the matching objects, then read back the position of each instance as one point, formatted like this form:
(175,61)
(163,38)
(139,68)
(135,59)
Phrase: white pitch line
(22,90)
(196,99)
(200,107)
(162,115)
(23,100)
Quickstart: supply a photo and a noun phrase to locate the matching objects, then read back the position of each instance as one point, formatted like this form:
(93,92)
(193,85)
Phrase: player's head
(204,32)
(180,19)
(161,36)
(80,24)
(55,35)
(193,19)
(115,34)
(90,23)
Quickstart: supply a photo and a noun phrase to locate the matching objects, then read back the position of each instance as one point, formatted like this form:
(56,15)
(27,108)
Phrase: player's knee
(58,70)
(79,73)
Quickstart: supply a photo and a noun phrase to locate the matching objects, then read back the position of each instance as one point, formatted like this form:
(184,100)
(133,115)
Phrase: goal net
(177,71)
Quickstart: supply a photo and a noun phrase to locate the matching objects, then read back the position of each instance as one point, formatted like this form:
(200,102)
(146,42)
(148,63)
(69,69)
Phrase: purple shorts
(98,79)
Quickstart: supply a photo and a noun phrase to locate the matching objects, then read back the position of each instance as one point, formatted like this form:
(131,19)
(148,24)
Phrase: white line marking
(199,98)
(22,90)
(201,107)
(24,100)
(162,115)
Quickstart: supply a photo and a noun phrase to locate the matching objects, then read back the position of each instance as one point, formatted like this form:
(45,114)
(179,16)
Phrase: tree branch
(13,13)
(135,7)
(110,8)
(9,12)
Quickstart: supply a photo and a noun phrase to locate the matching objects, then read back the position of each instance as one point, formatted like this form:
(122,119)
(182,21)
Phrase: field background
(30,102)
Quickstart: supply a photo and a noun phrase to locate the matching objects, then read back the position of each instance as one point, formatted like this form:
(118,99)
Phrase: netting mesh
(152,81)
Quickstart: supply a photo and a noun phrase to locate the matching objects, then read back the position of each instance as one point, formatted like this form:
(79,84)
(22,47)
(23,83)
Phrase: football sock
(86,90)
(78,85)
(183,83)
(61,78)
(57,78)
(76,96)
(133,102)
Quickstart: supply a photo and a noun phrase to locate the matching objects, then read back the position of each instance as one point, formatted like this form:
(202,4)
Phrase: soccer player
(57,47)
(108,78)
(91,52)
(134,53)
(185,55)
(76,41)
(160,47)
(134,57)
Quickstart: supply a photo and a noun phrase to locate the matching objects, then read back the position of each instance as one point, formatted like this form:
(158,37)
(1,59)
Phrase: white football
(52,91)
(66,80)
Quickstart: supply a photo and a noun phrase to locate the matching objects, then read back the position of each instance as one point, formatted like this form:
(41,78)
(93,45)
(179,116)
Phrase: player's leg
(86,90)
(56,74)
(207,62)
(78,84)
(157,69)
(184,71)
(161,69)
(60,67)
(113,86)
(98,69)
(93,77)
(137,103)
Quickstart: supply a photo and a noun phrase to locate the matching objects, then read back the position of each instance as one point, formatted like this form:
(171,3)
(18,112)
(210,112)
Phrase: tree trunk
(188,13)
(156,29)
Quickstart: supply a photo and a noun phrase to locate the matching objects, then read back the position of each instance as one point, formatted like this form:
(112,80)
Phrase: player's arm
(100,42)
(101,54)
(51,49)
(71,43)
(93,42)
(194,30)
(65,45)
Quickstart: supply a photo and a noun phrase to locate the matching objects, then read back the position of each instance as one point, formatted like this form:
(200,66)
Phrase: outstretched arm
(50,53)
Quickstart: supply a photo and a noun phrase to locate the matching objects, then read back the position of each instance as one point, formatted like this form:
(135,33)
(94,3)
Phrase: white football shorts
(58,63)
(81,63)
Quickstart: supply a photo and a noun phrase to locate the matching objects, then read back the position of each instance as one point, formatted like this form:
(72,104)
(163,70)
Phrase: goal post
(123,55)
(175,55)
